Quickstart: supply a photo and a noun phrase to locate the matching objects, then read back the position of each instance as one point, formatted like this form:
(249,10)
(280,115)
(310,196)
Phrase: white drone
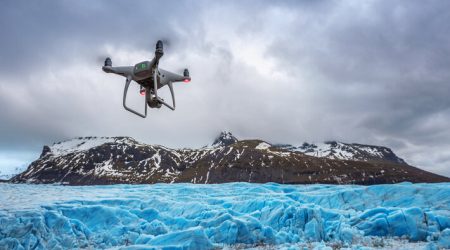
(150,78)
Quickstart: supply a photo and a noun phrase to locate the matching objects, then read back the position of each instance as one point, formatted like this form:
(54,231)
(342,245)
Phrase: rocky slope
(108,160)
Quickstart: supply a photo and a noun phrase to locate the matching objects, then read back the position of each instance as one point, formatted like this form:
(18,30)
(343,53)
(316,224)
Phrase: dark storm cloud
(287,71)
(401,56)
(394,57)
(33,32)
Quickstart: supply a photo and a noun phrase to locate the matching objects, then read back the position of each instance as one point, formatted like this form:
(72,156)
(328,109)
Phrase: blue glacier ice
(210,216)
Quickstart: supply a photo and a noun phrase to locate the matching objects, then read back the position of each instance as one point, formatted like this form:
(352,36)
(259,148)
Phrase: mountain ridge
(110,160)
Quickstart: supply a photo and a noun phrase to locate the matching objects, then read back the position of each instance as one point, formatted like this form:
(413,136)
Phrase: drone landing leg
(127,84)
(173,98)
(155,86)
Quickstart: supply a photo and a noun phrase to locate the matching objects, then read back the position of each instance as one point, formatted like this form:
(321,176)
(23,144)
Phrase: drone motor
(108,62)
(159,52)
(186,75)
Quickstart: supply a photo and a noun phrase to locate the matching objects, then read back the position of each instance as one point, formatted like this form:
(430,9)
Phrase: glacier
(231,216)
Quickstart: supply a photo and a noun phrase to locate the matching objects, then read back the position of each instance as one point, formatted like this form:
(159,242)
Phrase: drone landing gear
(127,84)
(152,98)
(158,99)
(173,98)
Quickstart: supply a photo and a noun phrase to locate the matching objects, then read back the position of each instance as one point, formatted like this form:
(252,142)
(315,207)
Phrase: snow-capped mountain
(346,151)
(225,138)
(108,160)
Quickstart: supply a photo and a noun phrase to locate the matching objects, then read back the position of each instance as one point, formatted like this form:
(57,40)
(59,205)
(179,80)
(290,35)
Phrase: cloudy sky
(375,72)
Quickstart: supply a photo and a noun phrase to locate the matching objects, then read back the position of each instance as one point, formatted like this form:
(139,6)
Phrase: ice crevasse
(195,216)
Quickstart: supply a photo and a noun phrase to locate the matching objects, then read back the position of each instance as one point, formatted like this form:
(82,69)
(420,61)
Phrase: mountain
(225,138)
(4,177)
(110,160)
(11,173)
(346,151)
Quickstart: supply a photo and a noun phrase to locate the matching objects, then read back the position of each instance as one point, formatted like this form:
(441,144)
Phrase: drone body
(150,78)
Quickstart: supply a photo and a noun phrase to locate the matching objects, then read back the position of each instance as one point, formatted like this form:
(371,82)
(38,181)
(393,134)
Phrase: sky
(373,72)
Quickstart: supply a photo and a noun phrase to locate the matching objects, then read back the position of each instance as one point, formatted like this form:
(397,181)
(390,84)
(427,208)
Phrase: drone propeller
(167,43)
(100,58)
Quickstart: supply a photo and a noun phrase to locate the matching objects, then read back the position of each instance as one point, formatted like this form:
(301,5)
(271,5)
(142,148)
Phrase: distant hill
(11,173)
(111,160)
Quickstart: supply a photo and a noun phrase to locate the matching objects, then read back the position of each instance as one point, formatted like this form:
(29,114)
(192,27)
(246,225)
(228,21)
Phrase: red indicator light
(186,80)
(142,92)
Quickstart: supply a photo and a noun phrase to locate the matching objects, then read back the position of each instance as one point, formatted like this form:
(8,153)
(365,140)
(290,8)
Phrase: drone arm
(173,77)
(123,71)
(127,84)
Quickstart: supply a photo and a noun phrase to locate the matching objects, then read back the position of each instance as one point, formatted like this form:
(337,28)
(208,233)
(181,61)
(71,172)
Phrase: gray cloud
(370,72)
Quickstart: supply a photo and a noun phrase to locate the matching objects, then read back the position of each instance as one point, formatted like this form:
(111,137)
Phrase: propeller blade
(100,59)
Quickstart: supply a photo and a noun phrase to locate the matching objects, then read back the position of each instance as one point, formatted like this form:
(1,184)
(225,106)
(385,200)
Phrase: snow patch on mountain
(79,144)
(263,145)
(330,150)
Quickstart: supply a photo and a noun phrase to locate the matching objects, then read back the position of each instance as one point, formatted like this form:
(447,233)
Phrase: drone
(150,78)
